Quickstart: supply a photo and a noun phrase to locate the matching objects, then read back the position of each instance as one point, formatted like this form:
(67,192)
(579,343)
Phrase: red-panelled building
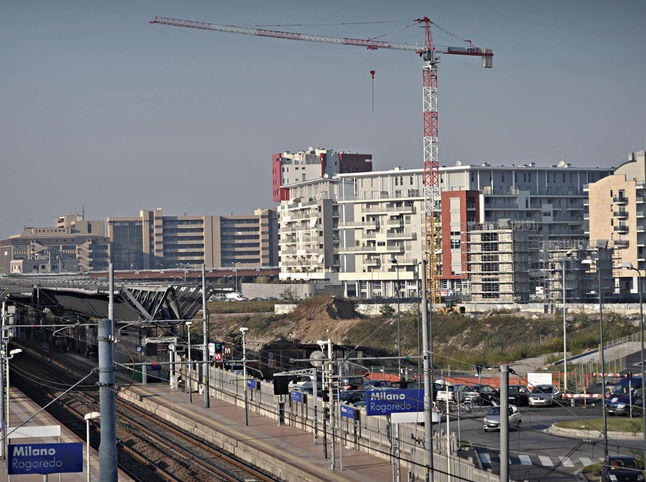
(290,168)
(459,208)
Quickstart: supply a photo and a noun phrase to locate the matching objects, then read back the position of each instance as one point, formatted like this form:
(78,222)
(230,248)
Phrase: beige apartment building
(153,240)
(73,244)
(615,212)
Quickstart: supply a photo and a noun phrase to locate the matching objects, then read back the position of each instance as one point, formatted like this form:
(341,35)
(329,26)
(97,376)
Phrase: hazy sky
(101,108)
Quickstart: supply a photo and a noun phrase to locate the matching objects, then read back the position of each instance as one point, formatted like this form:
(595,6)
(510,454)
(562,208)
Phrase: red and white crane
(430,54)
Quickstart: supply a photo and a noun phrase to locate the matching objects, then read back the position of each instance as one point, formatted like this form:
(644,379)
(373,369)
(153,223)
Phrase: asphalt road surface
(534,453)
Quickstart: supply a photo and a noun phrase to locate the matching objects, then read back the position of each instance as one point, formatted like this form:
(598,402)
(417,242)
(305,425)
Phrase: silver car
(492,418)
(544,396)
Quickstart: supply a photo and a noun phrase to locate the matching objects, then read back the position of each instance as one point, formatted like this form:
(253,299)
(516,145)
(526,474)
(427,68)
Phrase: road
(534,453)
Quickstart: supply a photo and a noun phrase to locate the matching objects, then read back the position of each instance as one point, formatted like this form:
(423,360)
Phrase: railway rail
(149,448)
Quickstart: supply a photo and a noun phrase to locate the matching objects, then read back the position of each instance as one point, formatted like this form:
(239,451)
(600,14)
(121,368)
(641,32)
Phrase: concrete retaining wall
(285,290)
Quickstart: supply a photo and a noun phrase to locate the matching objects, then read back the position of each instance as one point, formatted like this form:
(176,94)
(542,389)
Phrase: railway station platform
(21,408)
(269,445)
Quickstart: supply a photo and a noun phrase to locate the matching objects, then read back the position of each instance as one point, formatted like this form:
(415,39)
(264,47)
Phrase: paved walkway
(293,446)
(21,408)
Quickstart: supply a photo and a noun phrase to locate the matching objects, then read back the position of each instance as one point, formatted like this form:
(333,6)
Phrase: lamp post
(235,270)
(11,355)
(88,417)
(641,339)
(602,356)
(189,372)
(568,254)
(399,340)
(244,372)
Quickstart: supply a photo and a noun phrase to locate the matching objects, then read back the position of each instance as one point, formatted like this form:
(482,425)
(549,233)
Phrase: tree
(386,311)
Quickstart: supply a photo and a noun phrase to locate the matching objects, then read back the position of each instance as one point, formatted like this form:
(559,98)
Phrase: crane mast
(429,53)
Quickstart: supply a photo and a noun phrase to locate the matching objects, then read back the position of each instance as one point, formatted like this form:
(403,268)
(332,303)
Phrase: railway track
(149,448)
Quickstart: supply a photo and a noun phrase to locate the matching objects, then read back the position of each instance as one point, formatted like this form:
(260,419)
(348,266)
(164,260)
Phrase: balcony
(621,229)
(621,214)
(620,243)
(389,209)
(620,200)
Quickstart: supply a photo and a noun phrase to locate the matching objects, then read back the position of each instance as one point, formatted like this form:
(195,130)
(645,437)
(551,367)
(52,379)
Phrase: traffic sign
(347,411)
(217,356)
(385,402)
(217,346)
(227,350)
(297,396)
(251,383)
(45,458)
(140,348)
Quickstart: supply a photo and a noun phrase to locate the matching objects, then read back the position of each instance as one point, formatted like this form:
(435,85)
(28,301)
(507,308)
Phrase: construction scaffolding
(499,260)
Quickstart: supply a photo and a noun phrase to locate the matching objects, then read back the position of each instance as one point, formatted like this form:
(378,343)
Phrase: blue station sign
(45,458)
(385,402)
(251,383)
(347,411)
(297,396)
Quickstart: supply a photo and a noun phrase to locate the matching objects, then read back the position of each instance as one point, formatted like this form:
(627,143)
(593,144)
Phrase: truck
(235,296)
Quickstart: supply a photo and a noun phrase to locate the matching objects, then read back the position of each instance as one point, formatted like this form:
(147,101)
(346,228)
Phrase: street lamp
(641,339)
(189,371)
(88,417)
(399,340)
(244,330)
(603,359)
(563,260)
(235,270)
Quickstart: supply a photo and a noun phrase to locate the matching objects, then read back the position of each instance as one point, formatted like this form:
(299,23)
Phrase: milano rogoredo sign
(385,402)
(45,458)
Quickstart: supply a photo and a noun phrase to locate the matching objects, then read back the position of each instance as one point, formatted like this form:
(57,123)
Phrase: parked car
(351,383)
(352,396)
(544,396)
(620,467)
(487,394)
(453,394)
(518,395)
(492,418)
(372,384)
(479,394)
(623,393)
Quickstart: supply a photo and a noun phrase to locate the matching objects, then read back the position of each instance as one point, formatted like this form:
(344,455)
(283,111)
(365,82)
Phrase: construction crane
(429,52)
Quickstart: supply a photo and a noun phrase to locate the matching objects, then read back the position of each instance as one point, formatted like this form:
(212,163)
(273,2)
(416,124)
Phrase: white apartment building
(308,233)
(376,233)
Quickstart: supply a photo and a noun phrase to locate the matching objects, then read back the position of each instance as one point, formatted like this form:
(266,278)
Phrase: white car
(492,418)
(454,393)
(544,396)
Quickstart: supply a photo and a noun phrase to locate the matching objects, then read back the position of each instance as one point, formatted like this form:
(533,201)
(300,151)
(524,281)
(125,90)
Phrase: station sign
(227,350)
(45,458)
(297,396)
(385,402)
(251,383)
(347,411)
(217,356)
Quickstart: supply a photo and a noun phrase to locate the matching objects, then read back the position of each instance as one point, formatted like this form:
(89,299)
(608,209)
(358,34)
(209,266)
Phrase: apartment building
(616,213)
(79,246)
(380,227)
(500,257)
(289,168)
(154,240)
